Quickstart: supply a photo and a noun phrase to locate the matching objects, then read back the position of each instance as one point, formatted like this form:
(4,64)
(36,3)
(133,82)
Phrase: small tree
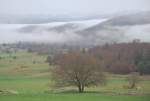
(14,57)
(29,50)
(77,69)
(144,67)
(49,60)
(133,79)
(0,57)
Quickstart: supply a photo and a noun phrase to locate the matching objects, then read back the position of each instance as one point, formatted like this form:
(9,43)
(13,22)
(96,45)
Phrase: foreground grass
(33,83)
(71,97)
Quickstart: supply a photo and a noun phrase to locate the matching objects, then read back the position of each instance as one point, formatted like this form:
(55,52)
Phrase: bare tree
(77,69)
(133,79)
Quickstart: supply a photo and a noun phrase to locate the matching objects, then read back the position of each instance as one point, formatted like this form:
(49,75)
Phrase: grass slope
(27,74)
(72,97)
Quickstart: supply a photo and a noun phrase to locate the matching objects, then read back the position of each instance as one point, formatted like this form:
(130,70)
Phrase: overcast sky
(73,7)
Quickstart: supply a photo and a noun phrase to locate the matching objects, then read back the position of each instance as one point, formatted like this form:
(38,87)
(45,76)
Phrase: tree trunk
(81,88)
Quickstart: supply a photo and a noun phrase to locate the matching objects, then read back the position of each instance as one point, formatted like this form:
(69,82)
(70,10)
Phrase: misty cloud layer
(47,33)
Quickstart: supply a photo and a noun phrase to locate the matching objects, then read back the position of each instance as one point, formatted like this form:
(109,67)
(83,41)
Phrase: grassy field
(28,76)
(72,97)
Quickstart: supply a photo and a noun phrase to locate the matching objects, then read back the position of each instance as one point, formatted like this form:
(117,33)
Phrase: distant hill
(115,28)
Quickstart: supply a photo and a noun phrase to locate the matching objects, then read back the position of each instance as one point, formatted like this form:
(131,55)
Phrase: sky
(71,7)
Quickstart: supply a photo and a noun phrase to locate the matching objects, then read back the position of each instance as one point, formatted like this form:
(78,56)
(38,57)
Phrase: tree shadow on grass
(73,91)
(112,93)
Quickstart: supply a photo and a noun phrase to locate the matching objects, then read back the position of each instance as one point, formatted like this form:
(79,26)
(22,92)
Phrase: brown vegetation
(77,69)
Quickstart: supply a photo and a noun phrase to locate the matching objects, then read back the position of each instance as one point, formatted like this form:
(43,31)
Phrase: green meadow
(28,76)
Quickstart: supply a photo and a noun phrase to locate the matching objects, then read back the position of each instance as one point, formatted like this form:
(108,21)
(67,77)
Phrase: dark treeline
(41,48)
(120,58)
(87,67)
(124,58)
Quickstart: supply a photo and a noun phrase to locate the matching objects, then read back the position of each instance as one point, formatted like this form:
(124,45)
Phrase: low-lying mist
(71,33)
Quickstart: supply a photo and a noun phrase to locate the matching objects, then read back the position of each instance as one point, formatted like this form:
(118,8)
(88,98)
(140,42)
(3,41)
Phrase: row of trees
(124,58)
(84,68)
